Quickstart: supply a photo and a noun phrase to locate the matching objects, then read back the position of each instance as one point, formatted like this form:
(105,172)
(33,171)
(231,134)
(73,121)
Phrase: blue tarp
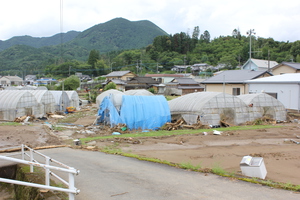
(137,112)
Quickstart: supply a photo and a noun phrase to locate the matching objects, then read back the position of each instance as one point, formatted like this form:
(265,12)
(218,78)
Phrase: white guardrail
(32,162)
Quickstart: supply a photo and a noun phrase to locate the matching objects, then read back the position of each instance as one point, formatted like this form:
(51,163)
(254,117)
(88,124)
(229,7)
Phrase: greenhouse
(46,101)
(141,92)
(210,108)
(15,104)
(61,100)
(264,105)
(116,93)
(74,99)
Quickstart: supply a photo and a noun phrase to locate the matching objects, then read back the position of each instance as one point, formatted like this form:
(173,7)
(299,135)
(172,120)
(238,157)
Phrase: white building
(285,88)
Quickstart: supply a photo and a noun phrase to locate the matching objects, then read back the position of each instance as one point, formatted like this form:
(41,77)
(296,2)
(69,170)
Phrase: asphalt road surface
(104,177)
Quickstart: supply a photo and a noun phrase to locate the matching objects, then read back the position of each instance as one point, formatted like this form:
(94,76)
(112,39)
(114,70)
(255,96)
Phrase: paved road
(104,177)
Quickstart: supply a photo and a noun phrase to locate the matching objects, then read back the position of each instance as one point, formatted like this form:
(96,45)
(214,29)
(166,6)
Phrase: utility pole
(250,32)
(111,66)
(184,62)
(70,70)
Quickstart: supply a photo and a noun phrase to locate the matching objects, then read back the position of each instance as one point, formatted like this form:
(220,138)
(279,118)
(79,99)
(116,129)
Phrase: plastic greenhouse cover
(137,112)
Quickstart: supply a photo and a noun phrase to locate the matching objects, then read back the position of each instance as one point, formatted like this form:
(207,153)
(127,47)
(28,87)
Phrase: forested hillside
(114,35)
(141,47)
(38,42)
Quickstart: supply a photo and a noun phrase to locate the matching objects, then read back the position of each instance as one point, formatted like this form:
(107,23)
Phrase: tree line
(181,49)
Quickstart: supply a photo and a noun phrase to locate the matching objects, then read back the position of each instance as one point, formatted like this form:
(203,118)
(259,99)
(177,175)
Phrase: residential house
(29,79)
(200,67)
(11,80)
(123,75)
(259,65)
(45,81)
(165,78)
(120,84)
(180,68)
(286,67)
(140,83)
(233,81)
(182,86)
(285,88)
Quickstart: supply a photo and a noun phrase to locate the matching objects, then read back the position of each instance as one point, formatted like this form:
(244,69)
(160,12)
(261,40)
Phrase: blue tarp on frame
(137,112)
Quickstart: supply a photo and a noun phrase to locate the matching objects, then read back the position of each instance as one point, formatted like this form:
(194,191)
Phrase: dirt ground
(281,156)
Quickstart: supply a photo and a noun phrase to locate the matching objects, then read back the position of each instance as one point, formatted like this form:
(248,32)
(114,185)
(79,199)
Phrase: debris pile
(181,124)
(25,118)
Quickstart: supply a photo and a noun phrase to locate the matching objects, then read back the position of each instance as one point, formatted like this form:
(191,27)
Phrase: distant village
(280,80)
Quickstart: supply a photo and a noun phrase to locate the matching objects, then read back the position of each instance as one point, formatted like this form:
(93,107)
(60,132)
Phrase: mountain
(116,34)
(38,42)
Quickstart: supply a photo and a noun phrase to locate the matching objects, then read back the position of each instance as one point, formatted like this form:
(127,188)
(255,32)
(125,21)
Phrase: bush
(109,86)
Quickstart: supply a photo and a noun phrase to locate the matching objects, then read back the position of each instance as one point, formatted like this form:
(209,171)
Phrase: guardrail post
(32,160)
(71,185)
(47,172)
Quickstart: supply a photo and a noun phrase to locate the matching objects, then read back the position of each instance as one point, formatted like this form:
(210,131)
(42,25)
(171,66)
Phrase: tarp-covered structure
(61,100)
(15,103)
(137,112)
(139,92)
(104,94)
(73,98)
(46,102)
(210,108)
(264,105)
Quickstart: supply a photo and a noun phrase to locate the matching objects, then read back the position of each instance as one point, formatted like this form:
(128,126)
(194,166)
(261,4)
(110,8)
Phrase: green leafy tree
(94,56)
(110,85)
(71,83)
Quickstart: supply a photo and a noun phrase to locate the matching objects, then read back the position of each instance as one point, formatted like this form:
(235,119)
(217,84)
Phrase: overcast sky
(42,18)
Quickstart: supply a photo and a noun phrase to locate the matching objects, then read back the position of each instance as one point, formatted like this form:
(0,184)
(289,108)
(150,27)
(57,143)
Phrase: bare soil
(281,155)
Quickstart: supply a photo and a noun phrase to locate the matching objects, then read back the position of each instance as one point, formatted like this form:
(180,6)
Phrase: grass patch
(162,133)
(10,124)
(217,169)
(73,117)
(190,166)
(58,128)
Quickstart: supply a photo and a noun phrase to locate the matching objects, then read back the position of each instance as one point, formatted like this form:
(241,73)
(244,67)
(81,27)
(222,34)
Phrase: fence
(32,162)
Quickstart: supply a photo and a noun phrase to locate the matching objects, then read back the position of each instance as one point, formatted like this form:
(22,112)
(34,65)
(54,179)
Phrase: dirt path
(281,156)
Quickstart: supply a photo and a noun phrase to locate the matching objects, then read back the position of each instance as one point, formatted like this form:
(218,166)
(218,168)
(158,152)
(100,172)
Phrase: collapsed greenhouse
(209,108)
(136,112)
(101,96)
(263,105)
(15,103)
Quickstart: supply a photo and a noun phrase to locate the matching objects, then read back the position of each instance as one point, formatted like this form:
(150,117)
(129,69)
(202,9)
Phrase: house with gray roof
(286,67)
(140,83)
(123,75)
(182,86)
(11,81)
(259,65)
(233,81)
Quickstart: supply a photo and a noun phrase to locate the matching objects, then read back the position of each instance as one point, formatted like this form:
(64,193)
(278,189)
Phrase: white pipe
(74,191)
(71,170)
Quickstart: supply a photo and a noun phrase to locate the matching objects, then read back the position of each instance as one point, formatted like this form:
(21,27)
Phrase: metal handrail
(32,162)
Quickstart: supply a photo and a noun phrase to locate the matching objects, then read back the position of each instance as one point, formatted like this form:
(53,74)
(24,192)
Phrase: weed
(217,169)
(190,166)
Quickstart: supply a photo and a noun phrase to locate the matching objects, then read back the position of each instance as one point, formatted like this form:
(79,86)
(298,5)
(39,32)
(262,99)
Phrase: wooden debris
(181,124)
